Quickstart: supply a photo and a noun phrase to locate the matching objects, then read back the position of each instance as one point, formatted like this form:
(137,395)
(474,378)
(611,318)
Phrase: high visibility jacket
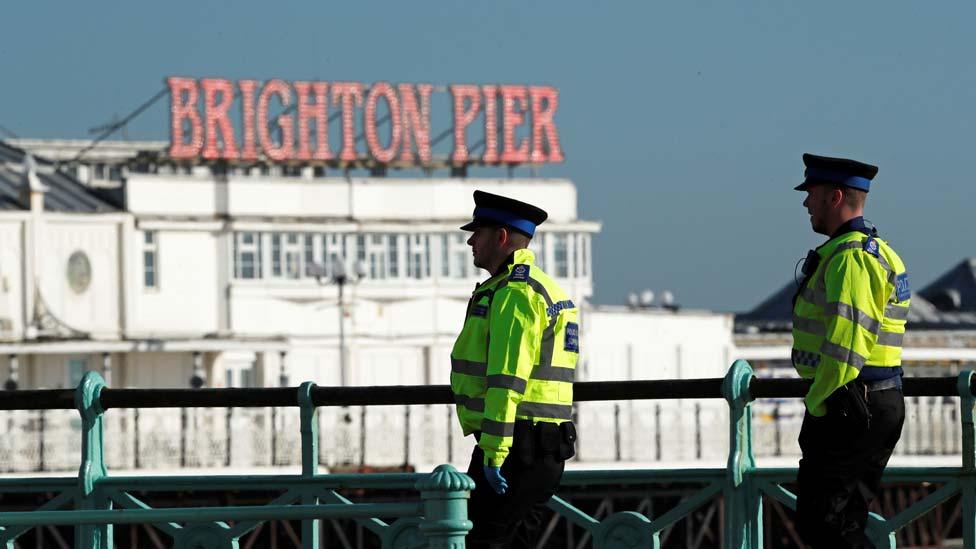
(515,357)
(849,315)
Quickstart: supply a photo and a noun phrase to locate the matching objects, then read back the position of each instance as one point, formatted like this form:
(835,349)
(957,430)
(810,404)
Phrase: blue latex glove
(495,479)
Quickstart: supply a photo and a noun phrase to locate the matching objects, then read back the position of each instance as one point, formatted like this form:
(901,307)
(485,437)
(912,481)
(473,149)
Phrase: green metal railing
(94,501)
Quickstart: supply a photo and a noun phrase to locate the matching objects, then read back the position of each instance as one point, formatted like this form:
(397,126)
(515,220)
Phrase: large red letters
(202,125)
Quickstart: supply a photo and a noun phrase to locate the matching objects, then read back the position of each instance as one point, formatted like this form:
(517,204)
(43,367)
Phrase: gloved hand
(495,479)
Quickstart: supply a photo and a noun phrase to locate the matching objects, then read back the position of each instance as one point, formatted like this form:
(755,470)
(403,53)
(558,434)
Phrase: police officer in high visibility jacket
(512,371)
(848,324)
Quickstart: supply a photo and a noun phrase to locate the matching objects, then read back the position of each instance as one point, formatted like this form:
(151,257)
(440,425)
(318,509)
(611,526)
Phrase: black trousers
(512,519)
(840,472)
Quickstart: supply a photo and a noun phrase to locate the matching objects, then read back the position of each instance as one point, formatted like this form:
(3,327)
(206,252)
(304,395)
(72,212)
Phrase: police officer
(848,324)
(512,371)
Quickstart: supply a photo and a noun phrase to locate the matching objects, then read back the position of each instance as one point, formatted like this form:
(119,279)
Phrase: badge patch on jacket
(520,273)
(572,338)
(902,291)
(871,246)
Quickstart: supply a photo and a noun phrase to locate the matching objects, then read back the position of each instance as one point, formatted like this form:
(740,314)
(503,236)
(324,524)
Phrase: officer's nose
(471,240)
(806,201)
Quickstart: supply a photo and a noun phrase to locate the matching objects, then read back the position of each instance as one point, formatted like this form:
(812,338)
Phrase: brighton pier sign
(213,118)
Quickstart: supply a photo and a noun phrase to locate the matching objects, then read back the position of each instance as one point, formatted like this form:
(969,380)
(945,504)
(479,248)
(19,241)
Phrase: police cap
(494,210)
(838,171)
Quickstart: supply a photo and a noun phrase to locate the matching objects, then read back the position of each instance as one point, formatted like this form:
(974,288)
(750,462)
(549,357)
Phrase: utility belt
(882,384)
(541,440)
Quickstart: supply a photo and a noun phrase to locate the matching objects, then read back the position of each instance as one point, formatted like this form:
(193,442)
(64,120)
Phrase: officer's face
(485,247)
(817,204)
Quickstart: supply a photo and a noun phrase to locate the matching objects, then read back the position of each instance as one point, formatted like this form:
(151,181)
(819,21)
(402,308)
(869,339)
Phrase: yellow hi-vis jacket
(515,357)
(849,315)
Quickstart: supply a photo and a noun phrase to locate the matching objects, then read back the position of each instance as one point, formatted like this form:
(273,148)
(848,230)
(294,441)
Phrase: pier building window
(458,255)
(309,240)
(418,258)
(372,249)
(333,251)
(393,254)
(286,255)
(560,254)
(538,247)
(247,255)
(361,248)
(445,257)
(150,260)
(276,255)
(293,256)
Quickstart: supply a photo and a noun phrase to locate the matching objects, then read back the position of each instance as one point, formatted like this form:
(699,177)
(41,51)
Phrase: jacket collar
(858,224)
(523,256)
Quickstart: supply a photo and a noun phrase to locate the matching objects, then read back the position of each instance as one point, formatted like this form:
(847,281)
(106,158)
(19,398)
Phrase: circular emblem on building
(79,272)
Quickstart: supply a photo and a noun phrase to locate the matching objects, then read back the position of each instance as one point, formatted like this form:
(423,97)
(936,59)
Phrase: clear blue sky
(683,123)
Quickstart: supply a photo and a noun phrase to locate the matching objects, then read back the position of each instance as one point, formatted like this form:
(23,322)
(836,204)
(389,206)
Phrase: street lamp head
(646,298)
(361,269)
(338,269)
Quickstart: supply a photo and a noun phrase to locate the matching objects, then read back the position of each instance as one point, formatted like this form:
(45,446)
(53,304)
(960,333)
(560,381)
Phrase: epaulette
(520,273)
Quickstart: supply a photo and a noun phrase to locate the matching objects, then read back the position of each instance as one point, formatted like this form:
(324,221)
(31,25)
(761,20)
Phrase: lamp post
(340,276)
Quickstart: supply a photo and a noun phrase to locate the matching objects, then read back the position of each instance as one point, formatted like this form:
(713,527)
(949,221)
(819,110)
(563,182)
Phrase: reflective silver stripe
(540,289)
(468,367)
(838,352)
(809,325)
(471,403)
(892,275)
(853,314)
(497,428)
(502,381)
(847,246)
(805,358)
(537,409)
(553,373)
(816,297)
(891,339)
(883,261)
(896,312)
(548,343)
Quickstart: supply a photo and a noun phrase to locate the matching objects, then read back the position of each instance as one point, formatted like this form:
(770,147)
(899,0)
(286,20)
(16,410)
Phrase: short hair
(854,198)
(518,238)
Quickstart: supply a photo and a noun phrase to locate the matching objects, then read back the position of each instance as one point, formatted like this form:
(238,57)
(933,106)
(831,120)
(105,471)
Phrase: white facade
(628,344)
(210,274)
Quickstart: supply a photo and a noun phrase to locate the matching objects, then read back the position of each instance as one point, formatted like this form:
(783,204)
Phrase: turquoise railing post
(967,479)
(92,468)
(445,494)
(743,501)
(310,460)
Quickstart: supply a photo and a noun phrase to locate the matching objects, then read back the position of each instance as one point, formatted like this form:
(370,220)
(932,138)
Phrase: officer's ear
(503,237)
(836,197)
